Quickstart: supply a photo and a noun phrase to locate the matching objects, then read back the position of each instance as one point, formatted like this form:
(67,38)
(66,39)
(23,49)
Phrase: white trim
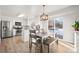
(75,49)
(61,14)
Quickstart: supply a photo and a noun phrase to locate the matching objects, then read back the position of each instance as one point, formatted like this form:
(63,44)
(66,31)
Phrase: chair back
(32,34)
(33,31)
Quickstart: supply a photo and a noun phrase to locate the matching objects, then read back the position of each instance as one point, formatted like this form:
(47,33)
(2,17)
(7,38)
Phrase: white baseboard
(67,45)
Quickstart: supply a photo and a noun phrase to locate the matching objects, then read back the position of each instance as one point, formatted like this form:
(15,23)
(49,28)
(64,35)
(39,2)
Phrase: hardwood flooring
(17,45)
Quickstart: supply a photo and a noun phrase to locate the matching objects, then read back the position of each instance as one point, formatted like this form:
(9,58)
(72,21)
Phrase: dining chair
(34,39)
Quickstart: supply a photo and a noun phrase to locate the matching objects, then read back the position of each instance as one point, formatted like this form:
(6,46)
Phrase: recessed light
(21,15)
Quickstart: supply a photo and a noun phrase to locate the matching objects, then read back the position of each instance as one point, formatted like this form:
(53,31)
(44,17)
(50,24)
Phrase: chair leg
(57,42)
(57,45)
(30,44)
(41,49)
(48,48)
(30,49)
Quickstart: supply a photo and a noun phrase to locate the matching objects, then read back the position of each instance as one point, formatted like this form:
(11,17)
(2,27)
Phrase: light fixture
(21,15)
(44,16)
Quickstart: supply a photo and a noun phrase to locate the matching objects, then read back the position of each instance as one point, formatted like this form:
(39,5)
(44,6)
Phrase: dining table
(43,37)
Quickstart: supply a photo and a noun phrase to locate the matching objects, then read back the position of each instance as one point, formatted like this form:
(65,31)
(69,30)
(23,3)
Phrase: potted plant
(76,26)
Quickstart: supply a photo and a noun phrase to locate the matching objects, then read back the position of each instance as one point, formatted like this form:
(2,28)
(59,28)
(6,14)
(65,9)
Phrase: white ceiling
(27,10)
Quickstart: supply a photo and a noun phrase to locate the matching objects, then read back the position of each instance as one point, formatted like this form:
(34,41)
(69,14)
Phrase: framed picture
(51,24)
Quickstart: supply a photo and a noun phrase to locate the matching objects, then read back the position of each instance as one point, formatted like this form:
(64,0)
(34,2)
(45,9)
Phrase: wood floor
(17,45)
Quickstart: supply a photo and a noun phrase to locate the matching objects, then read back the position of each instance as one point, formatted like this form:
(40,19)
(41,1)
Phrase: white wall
(35,20)
(44,25)
(68,20)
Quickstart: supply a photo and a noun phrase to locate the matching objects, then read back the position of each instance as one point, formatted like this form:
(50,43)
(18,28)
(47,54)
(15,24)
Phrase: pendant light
(44,16)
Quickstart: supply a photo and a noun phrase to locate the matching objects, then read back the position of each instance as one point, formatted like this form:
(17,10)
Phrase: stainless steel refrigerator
(5,29)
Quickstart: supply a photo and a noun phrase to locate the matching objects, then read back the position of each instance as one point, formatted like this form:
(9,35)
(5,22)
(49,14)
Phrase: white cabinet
(14,32)
(76,41)
(25,35)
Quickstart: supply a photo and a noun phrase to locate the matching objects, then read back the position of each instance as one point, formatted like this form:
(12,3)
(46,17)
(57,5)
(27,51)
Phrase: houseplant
(76,25)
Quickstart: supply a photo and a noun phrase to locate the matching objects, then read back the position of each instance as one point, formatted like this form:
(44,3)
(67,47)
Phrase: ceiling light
(44,16)
(21,15)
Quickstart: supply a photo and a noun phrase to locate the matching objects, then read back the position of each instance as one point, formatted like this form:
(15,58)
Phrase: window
(55,27)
